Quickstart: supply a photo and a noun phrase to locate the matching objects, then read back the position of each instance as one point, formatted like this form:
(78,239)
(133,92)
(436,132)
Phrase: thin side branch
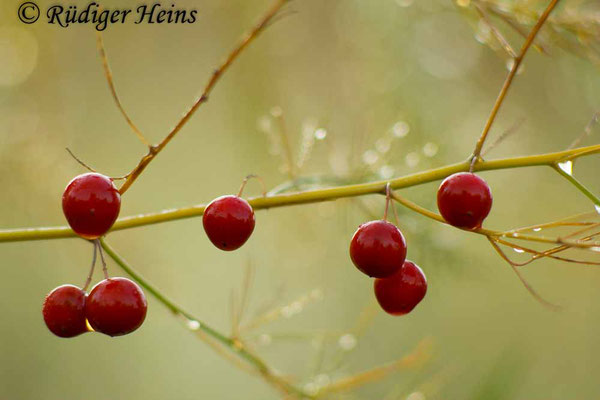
(509,79)
(249,38)
(194,324)
(113,90)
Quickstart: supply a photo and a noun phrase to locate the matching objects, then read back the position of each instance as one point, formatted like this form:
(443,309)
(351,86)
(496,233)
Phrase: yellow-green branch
(235,346)
(311,196)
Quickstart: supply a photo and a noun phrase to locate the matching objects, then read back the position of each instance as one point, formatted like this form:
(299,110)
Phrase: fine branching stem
(235,346)
(249,38)
(509,79)
(113,89)
(580,186)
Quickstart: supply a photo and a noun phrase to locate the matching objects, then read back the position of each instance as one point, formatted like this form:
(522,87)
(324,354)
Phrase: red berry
(378,248)
(91,203)
(401,292)
(228,221)
(64,311)
(116,306)
(464,200)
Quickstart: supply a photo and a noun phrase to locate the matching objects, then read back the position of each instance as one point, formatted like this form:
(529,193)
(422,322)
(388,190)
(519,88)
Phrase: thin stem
(104,267)
(285,140)
(416,358)
(233,345)
(113,89)
(310,196)
(84,165)
(499,37)
(508,132)
(245,181)
(387,201)
(529,288)
(509,80)
(586,131)
(578,185)
(249,38)
(89,278)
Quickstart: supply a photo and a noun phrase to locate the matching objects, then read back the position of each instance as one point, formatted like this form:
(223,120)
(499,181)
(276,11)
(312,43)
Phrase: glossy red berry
(64,311)
(400,293)
(91,203)
(378,248)
(464,200)
(228,222)
(116,306)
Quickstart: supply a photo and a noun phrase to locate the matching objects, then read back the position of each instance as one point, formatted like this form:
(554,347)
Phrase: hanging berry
(64,311)
(91,204)
(400,293)
(116,306)
(464,200)
(378,248)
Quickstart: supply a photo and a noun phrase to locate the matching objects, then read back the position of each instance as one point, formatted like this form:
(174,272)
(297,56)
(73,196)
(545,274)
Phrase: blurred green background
(391,87)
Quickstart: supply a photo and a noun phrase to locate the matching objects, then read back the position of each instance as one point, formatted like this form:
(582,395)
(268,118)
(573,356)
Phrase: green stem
(234,346)
(312,196)
(580,186)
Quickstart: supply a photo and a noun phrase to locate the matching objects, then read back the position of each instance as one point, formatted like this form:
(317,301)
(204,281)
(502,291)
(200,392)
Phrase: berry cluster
(378,248)
(117,306)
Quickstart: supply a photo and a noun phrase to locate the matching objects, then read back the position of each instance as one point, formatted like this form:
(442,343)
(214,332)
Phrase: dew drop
(404,3)
(412,159)
(518,250)
(320,134)
(400,129)
(276,111)
(193,325)
(416,396)
(386,172)
(597,207)
(430,149)
(311,388)
(370,157)
(484,33)
(510,63)
(537,229)
(347,342)
(322,380)
(566,167)
(264,124)
(383,145)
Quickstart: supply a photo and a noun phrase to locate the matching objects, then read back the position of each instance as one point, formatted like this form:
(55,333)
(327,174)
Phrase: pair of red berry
(115,307)
(378,249)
